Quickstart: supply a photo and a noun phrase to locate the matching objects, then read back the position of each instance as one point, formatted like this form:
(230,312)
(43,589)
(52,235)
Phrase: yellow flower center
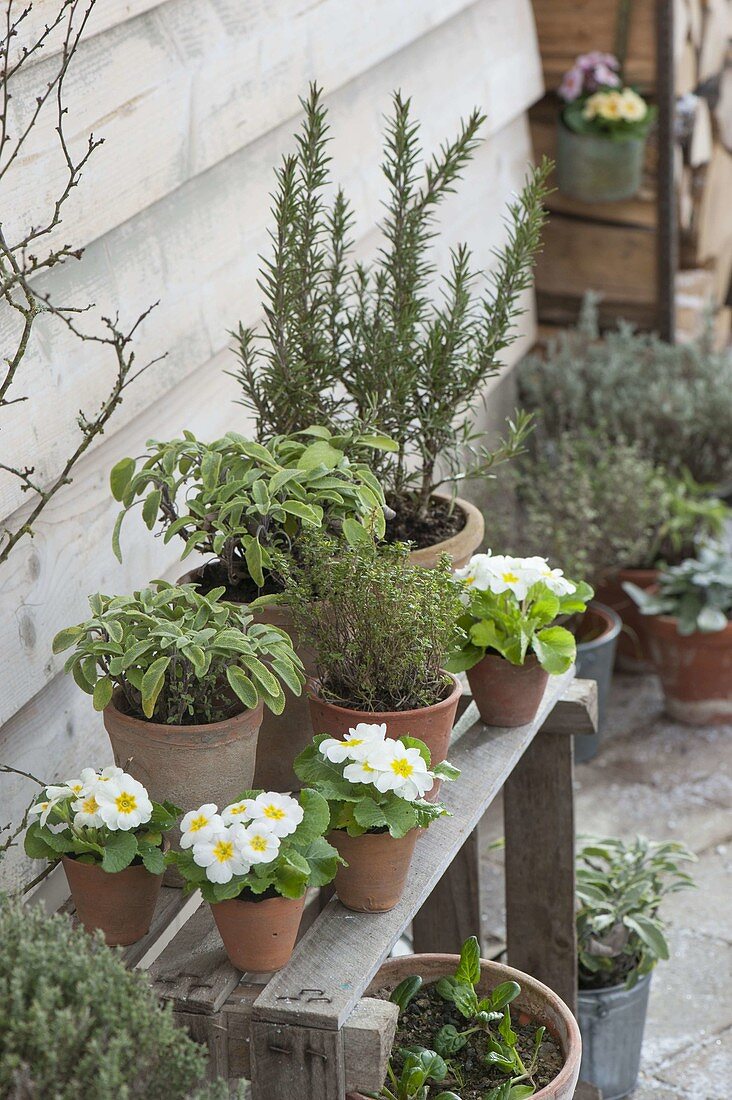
(125,802)
(258,843)
(198,823)
(236,810)
(366,766)
(90,805)
(510,578)
(274,812)
(223,851)
(77,788)
(402,767)
(351,741)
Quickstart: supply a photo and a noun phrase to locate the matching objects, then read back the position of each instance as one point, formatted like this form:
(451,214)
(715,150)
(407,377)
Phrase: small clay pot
(507,695)
(695,671)
(632,654)
(460,546)
(120,903)
(259,935)
(536,1002)
(433,725)
(378,865)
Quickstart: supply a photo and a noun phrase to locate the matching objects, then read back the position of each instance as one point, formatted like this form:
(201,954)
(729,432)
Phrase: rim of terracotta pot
(638,575)
(666,626)
(613,626)
(471,532)
(184,735)
(312,685)
(530,661)
(447,964)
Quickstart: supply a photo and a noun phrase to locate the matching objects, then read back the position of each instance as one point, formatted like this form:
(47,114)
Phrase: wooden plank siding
(197,100)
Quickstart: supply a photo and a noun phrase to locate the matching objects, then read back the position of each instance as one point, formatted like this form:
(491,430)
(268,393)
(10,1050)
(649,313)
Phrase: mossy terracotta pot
(281,736)
(433,725)
(507,695)
(259,935)
(536,1003)
(632,654)
(460,546)
(120,904)
(592,168)
(695,671)
(378,865)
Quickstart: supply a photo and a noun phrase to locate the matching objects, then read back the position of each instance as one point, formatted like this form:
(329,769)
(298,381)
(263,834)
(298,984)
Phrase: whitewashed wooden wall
(197,99)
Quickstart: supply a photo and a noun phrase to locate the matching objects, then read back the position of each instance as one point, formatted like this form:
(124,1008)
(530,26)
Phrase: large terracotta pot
(433,725)
(378,865)
(121,904)
(507,695)
(632,653)
(695,671)
(539,1003)
(281,736)
(259,935)
(461,546)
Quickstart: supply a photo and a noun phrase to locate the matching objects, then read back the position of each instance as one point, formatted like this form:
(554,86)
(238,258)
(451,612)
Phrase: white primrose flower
(355,744)
(257,843)
(221,854)
(476,574)
(402,770)
(123,802)
(86,810)
(360,771)
(558,583)
(279,813)
(238,812)
(200,825)
(42,809)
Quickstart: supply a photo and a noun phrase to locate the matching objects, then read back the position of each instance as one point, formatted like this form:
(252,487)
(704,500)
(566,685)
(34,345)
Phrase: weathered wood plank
(576,712)
(216,225)
(452,912)
(540,895)
(582,255)
(193,971)
(292,1061)
(105,14)
(342,952)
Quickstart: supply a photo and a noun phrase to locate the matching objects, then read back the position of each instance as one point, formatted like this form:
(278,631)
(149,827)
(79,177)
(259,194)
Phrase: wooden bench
(308,1032)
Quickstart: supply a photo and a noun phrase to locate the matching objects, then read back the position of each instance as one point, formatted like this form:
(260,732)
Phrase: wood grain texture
(342,952)
(581,255)
(105,15)
(193,971)
(302,1062)
(540,896)
(576,712)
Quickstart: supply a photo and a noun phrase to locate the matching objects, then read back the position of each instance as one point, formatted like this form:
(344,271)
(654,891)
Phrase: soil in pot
(695,672)
(259,933)
(378,865)
(121,904)
(453,527)
(507,695)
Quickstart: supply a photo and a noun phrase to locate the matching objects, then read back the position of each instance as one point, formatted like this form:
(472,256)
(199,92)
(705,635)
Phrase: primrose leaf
(119,851)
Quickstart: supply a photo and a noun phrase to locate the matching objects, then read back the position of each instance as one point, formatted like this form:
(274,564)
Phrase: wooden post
(296,1063)
(452,912)
(539,825)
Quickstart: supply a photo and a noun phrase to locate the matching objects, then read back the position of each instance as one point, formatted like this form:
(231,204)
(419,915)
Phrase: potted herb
(109,836)
(182,679)
(253,862)
(380,631)
(376,787)
(620,888)
(349,339)
(469,1029)
(690,636)
(508,638)
(602,132)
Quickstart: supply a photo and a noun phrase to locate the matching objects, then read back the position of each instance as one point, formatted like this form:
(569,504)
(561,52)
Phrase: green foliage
(592,504)
(500,623)
(345,340)
(693,518)
(620,887)
(673,401)
(359,807)
(697,593)
(75,1022)
(176,656)
(419,1068)
(305,858)
(406,991)
(619,129)
(242,500)
(380,629)
(460,989)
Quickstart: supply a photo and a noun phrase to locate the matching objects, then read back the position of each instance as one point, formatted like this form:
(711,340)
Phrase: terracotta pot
(188,765)
(433,725)
(121,904)
(259,935)
(507,695)
(461,546)
(632,652)
(378,865)
(281,736)
(536,1001)
(695,671)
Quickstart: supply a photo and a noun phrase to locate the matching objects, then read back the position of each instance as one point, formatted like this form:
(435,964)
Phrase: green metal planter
(596,169)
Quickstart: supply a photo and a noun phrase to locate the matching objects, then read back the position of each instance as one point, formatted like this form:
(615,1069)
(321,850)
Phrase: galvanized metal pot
(596,169)
(611,1022)
(595,660)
